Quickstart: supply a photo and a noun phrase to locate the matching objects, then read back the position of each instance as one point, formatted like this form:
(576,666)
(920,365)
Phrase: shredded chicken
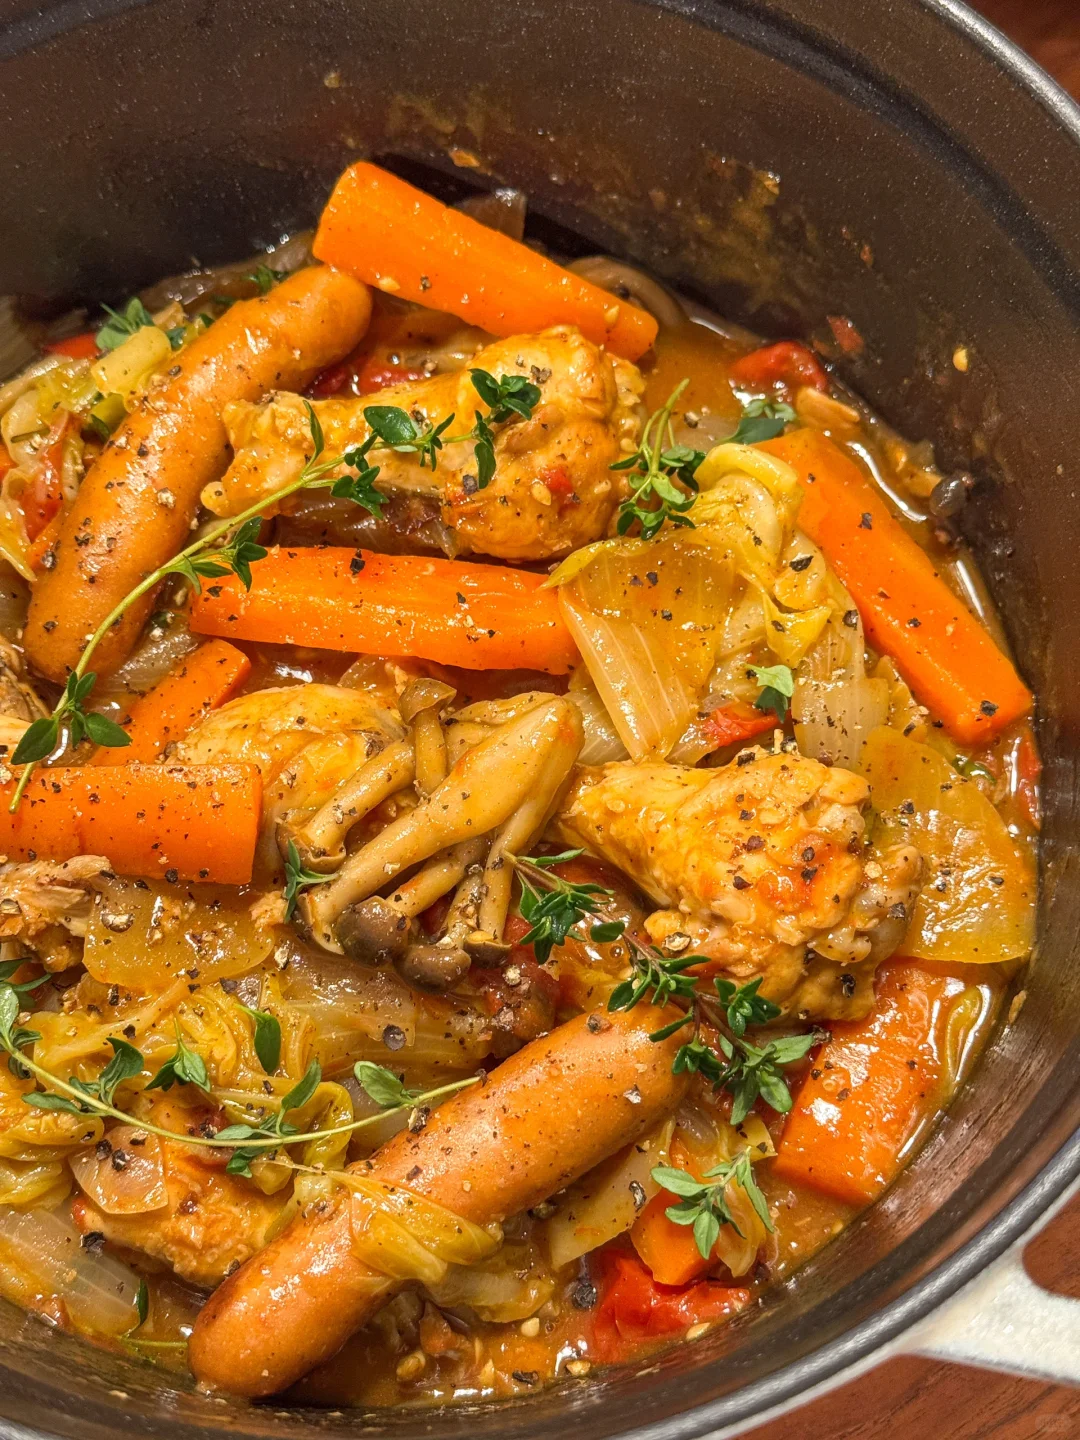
(761,866)
(553,489)
(44,906)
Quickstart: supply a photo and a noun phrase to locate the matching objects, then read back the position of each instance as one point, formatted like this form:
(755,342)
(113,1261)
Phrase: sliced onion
(41,1256)
(159,651)
(137,1187)
(646,617)
(629,283)
(502,210)
(510,1286)
(835,705)
(602,744)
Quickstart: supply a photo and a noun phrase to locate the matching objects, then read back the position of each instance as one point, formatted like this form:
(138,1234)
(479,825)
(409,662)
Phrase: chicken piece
(760,866)
(45,906)
(19,703)
(305,739)
(553,488)
(207,1223)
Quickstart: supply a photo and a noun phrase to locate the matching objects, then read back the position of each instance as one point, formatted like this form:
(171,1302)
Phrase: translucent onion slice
(42,1257)
(646,618)
(137,1186)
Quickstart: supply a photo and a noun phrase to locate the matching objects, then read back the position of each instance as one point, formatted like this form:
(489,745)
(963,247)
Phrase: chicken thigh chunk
(762,867)
(553,488)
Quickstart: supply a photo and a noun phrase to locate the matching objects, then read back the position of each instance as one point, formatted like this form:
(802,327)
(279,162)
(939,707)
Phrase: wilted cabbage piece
(978,902)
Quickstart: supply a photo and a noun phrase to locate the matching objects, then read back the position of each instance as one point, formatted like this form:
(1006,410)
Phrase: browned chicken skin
(553,489)
(760,865)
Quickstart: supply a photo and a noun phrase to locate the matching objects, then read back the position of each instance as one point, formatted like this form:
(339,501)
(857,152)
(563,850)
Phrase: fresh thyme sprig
(297,878)
(761,420)
(554,906)
(703,1203)
(96,1097)
(664,486)
(231,547)
(732,1063)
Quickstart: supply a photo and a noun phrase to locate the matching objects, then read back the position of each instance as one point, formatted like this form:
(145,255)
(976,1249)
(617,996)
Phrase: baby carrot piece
(393,236)
(944,654)
(669,1250)
(200,683)
(479,617)
(199,821)
(868,1089)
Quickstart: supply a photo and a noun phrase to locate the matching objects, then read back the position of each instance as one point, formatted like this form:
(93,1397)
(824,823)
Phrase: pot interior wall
(785,162)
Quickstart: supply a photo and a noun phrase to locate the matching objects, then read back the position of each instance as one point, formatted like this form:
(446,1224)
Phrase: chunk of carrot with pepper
(478,617)
(406,243)
(200,683)
(869,1088)
(950,661)
(193,822)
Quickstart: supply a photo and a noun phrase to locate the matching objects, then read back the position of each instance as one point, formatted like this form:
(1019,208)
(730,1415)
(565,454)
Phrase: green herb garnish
(703,1203)
(122,323)
(777,687)
(761,420)
(297,878)
(554,906)
(267,1038)
(663,486)
(185,1067)
(265,278)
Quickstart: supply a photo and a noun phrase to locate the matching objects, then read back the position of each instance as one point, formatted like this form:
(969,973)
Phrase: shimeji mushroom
(320,839)
(421,705)
(513,769)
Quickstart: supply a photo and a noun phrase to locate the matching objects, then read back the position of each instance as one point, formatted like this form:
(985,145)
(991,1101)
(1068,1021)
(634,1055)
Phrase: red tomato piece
(43,497)
(786,363)
(634,1307)
(75,347)
(732,724)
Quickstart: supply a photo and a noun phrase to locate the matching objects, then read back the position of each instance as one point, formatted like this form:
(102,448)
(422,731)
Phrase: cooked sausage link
(546,1116)
(135,507)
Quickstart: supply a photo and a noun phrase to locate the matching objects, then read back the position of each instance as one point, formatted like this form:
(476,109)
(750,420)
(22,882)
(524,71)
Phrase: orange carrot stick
(944,654)
(479,617)
(868,1089)
(200,821)
(669,1250)
(200,683)
(391,235)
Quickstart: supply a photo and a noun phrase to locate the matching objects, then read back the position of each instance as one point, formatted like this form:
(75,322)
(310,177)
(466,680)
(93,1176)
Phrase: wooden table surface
(916,1399)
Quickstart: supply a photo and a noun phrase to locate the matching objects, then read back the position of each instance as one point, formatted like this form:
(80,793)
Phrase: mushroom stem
(431,758)
(440,874)
(421,705)
(479,795)
(321,838)
(524,826)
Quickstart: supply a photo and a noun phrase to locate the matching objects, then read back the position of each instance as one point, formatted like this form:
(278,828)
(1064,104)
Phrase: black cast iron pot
(896,163)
